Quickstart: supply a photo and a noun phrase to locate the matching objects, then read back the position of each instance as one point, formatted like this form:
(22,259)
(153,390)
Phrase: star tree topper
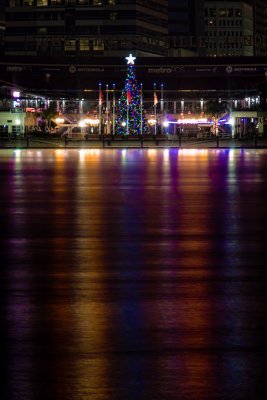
(130,59)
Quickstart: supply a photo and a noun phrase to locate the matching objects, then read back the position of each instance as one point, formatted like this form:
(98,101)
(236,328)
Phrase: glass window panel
(42,3)
(84,45)
(14,3)
(28,3)
(70,45)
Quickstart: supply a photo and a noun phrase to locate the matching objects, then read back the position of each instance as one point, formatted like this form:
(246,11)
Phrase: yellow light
(91,121)
(59,120)
(192,121)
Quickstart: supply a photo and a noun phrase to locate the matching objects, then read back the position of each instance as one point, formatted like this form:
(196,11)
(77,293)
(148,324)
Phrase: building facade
(259,26)
(184,28)
(86,27)
(228,28)
(2,27)
(217,28)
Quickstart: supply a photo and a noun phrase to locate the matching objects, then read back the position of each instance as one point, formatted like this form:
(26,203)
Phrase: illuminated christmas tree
(130,117)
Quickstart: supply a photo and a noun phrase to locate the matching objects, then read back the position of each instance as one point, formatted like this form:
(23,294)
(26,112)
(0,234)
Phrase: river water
(134,274)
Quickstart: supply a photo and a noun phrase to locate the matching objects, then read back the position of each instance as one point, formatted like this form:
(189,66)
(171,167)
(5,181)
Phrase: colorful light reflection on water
(133,274)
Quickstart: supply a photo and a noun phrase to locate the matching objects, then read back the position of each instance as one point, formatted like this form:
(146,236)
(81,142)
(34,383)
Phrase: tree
(216,108)
(49,114)
(130,116)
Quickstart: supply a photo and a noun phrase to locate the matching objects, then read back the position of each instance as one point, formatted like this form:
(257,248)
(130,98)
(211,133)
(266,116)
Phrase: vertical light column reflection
(41,251)
(91,307)
(181,315)
(130,238)
(17,306)
(237,322)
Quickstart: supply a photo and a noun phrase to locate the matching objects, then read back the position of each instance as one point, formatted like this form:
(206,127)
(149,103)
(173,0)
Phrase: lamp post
(216,130)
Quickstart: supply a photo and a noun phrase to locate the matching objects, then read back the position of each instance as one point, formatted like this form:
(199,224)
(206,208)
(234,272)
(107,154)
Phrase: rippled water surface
(133,274)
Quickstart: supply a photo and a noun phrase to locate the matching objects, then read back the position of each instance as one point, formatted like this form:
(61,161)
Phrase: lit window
(113,16)
(222,12)
(16,129)
(27,3)
(42,31)
(98,45)
(42,3)
(112,2)
(14,3)
(57,2)
(70,45)
(83,2)
(84,45)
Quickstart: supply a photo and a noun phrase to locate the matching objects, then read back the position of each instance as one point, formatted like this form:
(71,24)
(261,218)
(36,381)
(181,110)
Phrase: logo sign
(72,69)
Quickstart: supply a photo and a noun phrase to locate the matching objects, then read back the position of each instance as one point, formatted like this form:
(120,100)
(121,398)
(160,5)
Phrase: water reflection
(133,273)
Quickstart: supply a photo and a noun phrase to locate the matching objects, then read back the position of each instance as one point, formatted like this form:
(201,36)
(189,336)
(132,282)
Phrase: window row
(223,33)
(216,45)
(48,46)
(223,12)
(44,3)
(223,22)
(61,15)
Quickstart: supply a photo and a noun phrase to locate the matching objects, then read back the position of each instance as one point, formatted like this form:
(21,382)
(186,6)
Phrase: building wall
(12,124)
(259,31)
(86,27)
(2,26)
(228,28)
(189,32)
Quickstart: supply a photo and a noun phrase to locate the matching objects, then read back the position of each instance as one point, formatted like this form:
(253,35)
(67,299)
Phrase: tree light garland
(130,117)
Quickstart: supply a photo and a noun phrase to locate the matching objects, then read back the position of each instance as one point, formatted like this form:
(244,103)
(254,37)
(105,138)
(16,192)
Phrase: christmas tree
(130,117)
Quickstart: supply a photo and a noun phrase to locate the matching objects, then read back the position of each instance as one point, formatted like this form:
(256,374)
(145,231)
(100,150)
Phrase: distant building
(217,27)
(2,27)
(228,28)
(86,27)
(259,38)
(184,27)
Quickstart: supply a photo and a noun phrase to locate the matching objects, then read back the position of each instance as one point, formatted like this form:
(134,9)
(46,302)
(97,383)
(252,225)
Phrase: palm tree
(49,114)
(216,108)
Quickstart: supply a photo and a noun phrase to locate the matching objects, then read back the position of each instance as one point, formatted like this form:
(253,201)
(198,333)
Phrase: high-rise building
(265,19)
(2,26)
(86,27)
(259,42)
(184,28)
(228,28)
(217,27)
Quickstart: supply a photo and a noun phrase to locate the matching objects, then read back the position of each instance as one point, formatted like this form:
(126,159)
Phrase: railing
(119,141)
